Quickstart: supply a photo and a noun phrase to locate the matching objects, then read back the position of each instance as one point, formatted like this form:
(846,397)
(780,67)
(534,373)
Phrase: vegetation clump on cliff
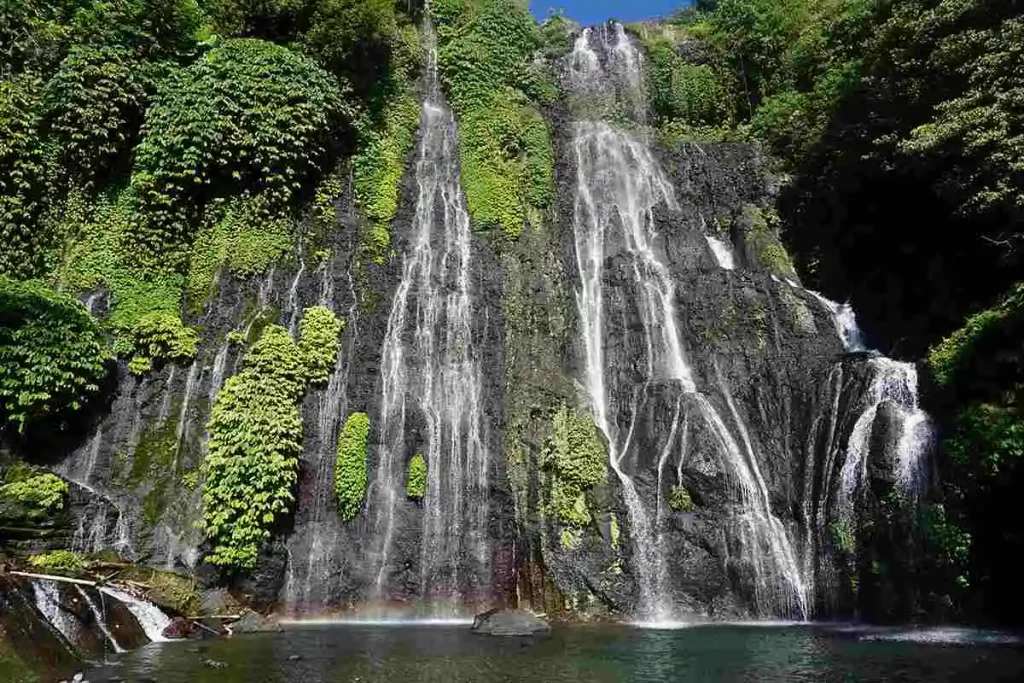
(251,467)
(576,460)
(485,53)
(350,467)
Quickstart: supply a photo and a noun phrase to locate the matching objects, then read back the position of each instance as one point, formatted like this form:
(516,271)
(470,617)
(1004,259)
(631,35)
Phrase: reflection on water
(372,654)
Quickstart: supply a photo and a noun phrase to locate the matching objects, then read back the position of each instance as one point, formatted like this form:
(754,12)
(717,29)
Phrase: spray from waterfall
(431,373)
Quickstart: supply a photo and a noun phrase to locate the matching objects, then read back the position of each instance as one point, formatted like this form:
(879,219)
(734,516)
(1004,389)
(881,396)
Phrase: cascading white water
(722,253)
(431,372)
(307,585)
(150,617)
(47,599)
(101,619)
(292,302)
(619,185)
(220,366)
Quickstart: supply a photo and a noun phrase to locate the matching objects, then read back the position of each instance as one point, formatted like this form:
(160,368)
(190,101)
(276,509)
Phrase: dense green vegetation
(416,482)
(318,342)
(350,467)
(52,353)
(485,53)
(40,493)
(255,440)
(576,460)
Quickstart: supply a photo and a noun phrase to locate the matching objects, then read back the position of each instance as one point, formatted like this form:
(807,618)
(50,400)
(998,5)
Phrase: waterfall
(312,551)
(292,308)
(150,617)
(619,185)
(722,253)
(220,365)
(47,599)
(431,373)
(101,619)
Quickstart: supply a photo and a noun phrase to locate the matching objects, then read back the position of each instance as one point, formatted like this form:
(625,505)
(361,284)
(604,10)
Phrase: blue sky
(589,12)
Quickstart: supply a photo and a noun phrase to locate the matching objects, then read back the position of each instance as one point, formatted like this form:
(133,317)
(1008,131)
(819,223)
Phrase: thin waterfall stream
(431,378)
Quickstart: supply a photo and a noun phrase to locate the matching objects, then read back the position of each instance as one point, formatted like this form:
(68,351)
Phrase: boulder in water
(251,622)
(180,628)
(509,622)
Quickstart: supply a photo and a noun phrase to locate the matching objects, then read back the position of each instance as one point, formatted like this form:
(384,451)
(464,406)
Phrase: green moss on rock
(416,484)
(576,460)
(350,468)
(318,342)
(255,441)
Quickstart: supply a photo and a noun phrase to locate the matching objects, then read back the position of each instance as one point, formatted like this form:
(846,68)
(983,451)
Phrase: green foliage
(248,115)
(26,181)
(576,459)
(416,483)
(485,50)
(52,353)
(95,102)
(57,559)
(843,536)
(251,468)
(377,170)
(681,91)
(945,358)
(949,542)
(350,468)
(43,493)
(614,532)
(157,336)
(319,330)
(987,439)
(679,499)
(243,235)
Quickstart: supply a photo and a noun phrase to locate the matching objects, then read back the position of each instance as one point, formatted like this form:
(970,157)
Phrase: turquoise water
(370,654)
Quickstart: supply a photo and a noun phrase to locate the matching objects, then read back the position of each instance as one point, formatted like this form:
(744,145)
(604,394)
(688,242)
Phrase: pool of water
(326,653)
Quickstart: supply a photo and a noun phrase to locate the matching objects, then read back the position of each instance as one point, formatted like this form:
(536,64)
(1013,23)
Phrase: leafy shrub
(949,543)
(679,499)
(244,235)
(96,102)
(692,93)
(26,180)
(350,468)
(378,167)
(318,342)
(255,441)
(576,458)
(987,438)
(157,336)
(247,115)
(57,559)
(945,358)
(416,484)
(485,48)
(52,353)
(42,493)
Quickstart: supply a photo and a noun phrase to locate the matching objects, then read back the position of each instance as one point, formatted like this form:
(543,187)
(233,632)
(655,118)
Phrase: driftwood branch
(50,577)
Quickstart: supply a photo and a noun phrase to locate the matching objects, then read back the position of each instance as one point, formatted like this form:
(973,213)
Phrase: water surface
(450,654)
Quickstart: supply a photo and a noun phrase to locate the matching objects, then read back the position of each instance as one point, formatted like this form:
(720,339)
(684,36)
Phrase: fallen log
(51,577)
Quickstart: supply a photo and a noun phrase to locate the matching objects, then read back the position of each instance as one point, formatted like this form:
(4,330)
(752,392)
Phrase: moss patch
(350,467)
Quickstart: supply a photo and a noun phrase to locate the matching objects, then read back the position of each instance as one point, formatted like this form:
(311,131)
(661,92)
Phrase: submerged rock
(509,622)
(251,622)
